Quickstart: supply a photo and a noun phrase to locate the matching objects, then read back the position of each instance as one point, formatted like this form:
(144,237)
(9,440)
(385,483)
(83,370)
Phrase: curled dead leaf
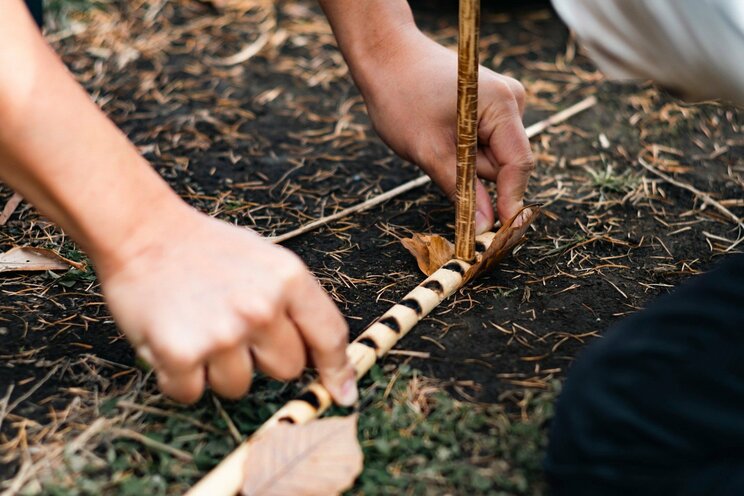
(433,251)
(320,458)
(26,258)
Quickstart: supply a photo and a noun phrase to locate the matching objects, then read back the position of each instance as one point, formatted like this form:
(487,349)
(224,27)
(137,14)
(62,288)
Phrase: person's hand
(203,302)
(410,86)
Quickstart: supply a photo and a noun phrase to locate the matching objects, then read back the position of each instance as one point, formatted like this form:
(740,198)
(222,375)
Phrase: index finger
(326,334)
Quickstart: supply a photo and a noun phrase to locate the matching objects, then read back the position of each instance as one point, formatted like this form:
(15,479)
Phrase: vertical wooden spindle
(467,128)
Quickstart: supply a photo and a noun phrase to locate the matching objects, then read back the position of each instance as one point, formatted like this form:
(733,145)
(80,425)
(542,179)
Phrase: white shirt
(694,47)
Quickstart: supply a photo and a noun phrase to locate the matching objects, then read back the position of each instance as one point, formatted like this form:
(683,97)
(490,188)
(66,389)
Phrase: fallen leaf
(507,237)
(433,251)
(10,207)
(320,458)
(26,258)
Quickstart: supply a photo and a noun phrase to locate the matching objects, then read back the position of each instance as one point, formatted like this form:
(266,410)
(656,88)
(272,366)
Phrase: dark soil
(284,139)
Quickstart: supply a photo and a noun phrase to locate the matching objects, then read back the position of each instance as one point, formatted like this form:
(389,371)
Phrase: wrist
(144,225)
(371,35)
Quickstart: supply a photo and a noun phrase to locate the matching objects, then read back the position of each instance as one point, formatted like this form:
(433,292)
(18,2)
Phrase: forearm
(62,153)
(369,32)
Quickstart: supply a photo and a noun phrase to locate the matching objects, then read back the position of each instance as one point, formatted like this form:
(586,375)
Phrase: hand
(202,300)
(410,87)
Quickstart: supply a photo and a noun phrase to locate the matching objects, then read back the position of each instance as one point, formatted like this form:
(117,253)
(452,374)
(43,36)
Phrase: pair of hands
(206,303)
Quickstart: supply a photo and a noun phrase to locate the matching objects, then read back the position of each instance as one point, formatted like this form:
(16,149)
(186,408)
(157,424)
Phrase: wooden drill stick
(227,478)
(467,128)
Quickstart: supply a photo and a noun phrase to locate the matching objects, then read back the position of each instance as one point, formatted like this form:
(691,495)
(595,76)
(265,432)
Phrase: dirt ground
(283,139)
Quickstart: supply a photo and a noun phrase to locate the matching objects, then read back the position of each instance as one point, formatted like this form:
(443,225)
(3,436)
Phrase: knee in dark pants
(578,426)
(608,435)
(655,406)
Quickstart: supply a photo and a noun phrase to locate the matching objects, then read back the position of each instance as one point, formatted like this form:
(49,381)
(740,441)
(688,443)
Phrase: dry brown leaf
(10,208)
(507,237)
(26,258)
(433,251)
(320,458)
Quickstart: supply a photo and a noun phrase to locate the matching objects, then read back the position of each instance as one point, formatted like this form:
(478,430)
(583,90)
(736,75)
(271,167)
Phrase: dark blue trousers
(37,11)
(656,406)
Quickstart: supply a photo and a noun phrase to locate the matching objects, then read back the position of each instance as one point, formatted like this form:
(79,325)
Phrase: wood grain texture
(467,128)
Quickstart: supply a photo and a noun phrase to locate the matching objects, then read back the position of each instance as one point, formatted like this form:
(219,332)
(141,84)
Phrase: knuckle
(178,354)
(182,392)
(291,370)
(337,339)
(501,90)
(528,161)
(293,266)
(260,313)
(517,90)
(225,336)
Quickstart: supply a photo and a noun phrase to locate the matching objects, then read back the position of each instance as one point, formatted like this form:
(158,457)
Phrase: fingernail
(482,224)
(349,393)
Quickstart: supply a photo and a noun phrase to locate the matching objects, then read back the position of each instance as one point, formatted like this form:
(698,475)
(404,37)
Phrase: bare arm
(64,155)
(198,298)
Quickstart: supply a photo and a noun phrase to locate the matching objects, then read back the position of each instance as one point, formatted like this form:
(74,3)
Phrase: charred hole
(390,322)
(310,398)
(369,342)
(412,304)
(454,267)
(435,286)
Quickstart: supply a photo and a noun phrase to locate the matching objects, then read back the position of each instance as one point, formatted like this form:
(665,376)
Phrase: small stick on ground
(151,443)
(532,131)
(398,190)
(467,128)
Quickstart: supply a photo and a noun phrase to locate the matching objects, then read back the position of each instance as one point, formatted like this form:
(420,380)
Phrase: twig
(4,403)
(28,393)
(399,190)
(532,131)
(128,405)
(704,197)
(467,128)
(151,443)
(561,116)
(234,433)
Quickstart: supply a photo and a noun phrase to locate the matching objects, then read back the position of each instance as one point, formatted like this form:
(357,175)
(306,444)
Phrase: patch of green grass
(58,13)
(419,440)
(607,180)
(416,439)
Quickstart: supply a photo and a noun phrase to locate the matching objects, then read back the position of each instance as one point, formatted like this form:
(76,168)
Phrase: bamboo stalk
(371,345)
(467,128)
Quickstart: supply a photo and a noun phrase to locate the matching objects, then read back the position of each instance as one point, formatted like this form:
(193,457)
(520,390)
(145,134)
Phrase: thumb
(484,215)
(444,173)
